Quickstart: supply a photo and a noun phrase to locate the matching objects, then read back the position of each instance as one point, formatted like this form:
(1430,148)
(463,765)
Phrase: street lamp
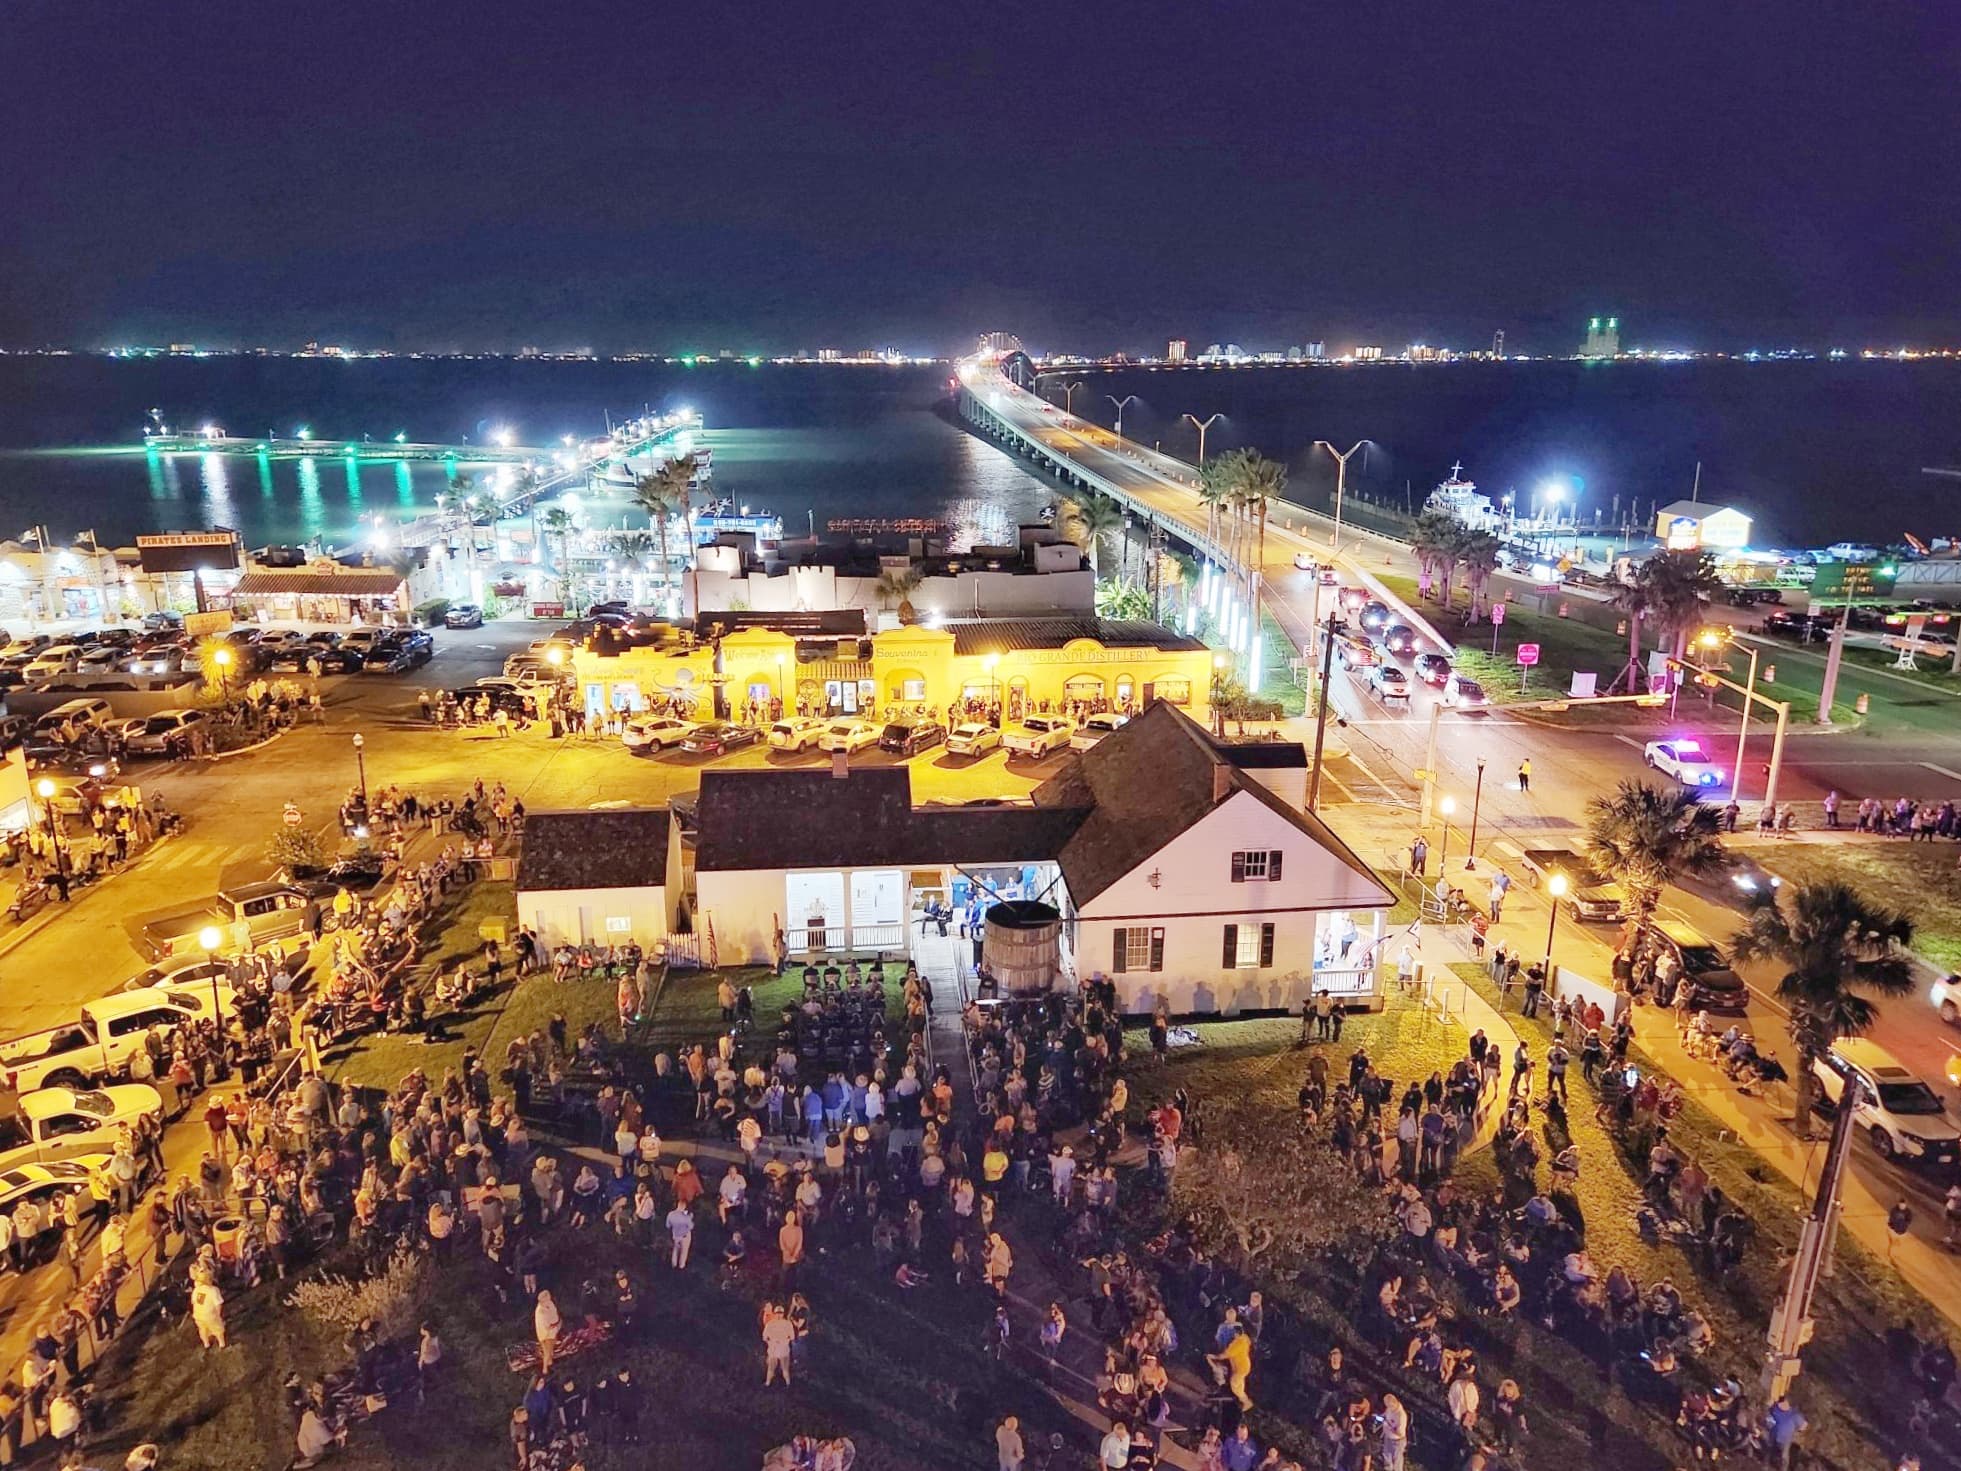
(1477,800)
(1446,806)
(209,939)
(1201,433)
(1341,480)
(1555,886)
(1712,639)
(361,768)
(222,657)
(46,787)
(1069,396)
(1128,398)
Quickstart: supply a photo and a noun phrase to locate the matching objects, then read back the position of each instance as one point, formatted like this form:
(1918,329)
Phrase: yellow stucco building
(1019,664)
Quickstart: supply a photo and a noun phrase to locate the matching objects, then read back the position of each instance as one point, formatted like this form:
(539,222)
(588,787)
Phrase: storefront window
(626,696)
(1173,691)
(1126,688)
(913,691)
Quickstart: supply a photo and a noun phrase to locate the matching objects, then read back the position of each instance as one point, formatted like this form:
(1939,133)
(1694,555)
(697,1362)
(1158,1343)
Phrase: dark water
(809,443)
(1817,451)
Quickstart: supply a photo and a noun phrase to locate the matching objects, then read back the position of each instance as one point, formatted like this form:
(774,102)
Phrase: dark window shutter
(1232,946)
(1116,950)
(1157,949)
(1273,866)
(1239,868)
(1266,946)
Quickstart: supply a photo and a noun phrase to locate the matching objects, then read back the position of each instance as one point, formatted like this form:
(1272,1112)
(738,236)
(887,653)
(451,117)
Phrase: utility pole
(1341,481)
(1834,651)
(1790,1320)
(1321,720)
(1430,769)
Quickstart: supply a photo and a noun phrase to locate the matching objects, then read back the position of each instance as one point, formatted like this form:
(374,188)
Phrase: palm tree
(558,522)
(1095,515)
(1633,601)
(1834,947)
(1678,584)
(1215,490)
(898,584)
(1261,482)
(654,494)
(1436,532)
(1477,550)
(1183,570)
(679,473)
(1647,837)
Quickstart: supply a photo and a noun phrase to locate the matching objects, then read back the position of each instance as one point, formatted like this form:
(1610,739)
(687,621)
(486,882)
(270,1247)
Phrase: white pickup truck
(1038,735)
(95,1046)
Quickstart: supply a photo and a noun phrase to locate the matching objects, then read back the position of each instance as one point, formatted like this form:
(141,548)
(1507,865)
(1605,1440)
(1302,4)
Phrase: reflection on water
(404,486)
(212,475)
(312,517)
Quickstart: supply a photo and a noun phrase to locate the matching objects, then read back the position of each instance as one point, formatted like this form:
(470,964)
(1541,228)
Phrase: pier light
(401,436)
(504,437)
(303,432)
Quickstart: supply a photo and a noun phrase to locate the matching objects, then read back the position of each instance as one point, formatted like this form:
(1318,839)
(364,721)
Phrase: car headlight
(1909,1144)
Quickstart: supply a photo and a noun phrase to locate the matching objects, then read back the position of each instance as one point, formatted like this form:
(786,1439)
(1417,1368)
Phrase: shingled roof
(1147,783)
(811,819)
(618,848)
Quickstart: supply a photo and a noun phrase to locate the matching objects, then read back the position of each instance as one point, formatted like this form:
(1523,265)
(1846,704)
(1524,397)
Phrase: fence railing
(813,940)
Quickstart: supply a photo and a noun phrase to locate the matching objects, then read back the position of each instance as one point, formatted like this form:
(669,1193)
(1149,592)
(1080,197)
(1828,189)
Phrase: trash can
(225,1232)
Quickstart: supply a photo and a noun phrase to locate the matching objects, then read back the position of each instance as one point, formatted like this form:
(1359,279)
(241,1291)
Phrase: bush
(430,614)
(393,1299)
(297,848)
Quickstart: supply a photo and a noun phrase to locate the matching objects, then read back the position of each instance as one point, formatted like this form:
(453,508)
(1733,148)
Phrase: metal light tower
(1341,479)
(1128,398)
(1202,427)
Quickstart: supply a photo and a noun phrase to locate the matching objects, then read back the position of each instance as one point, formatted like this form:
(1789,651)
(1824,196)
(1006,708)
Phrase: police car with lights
(1684,760)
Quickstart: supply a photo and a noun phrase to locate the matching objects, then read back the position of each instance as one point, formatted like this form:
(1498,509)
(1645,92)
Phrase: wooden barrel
(1021,946)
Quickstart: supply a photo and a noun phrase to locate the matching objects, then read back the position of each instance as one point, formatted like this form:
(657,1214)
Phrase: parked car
(60,1123)
(796,733)
(72,719)
(719,737)
(97,1044)
(1713,983)
(1461,692)
(655,732)
(910,737)
(463,615)
(1389,684)
(972,738)
(154,737)
(1683,759)
(399,651)
(1902,1116)
(274,914)
(1039,735)
(1095,727)
(56,659)
(27,645)
(848,735)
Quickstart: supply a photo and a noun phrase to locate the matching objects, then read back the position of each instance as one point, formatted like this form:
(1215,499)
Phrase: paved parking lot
(233,806)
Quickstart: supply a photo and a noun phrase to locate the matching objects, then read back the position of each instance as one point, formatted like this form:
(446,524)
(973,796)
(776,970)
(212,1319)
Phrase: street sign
(1528,654)
(1497,613)
(291,815)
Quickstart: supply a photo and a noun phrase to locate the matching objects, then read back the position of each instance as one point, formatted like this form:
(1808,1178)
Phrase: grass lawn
(1263,1061)
(1919,878)
(1850,1386)
(381,1059)
(1566,646)
(900,1373)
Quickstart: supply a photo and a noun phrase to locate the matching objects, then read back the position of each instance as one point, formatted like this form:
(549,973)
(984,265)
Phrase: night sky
(1090,175)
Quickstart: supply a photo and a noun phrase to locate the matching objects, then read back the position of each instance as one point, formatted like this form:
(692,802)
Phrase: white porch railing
(845,939)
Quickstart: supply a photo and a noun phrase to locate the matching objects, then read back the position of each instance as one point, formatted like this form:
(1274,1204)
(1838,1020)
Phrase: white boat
(1460,498)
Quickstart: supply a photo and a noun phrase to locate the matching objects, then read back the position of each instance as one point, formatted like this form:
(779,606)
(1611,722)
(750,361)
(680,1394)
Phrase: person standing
(1784,1423)
(545,1320)
(1395,1433)
(1899,1221)
(1525,774)
(1501,884)
(681,1228)
(1008,1450)
(778,1335)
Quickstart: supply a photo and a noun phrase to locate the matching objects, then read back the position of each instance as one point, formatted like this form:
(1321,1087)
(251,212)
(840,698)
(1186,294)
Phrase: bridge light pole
(1069,397)
(1341,479)
(1128,398)
(1201,433)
